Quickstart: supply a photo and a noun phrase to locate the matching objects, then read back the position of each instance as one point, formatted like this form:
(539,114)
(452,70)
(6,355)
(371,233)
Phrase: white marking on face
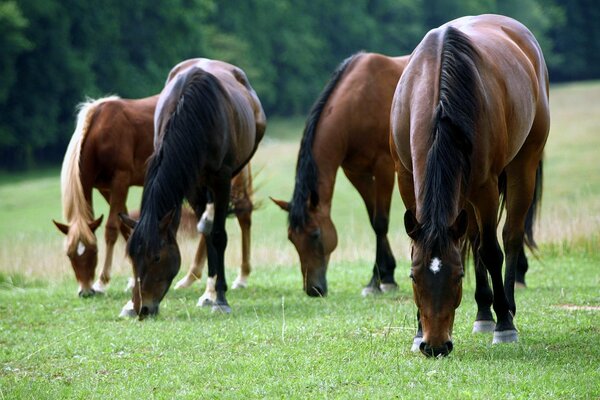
(436,265)
(80,248)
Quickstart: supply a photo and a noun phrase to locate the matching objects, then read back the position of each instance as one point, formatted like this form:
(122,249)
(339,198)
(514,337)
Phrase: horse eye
(315,234)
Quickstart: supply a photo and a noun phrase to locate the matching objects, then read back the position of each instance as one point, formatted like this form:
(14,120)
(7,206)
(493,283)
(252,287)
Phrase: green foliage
(57,52)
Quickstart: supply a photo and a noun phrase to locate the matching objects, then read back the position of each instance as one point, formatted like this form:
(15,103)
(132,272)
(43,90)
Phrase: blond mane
(76,210)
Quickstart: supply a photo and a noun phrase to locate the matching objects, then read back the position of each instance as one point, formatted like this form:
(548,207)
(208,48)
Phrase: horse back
(355,119)
(119,140)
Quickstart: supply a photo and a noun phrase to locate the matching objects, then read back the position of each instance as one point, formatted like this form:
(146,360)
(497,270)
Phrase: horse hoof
(127,311)
(221,308)
(239,283)
(388,287)
(99,287)
(369,291)
(185,282)
(509,336)
(416,344)
(205,302)
(520,285)
(484,326)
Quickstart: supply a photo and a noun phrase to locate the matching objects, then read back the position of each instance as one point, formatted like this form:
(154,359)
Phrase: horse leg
(195,271)
(376,192)
(217,240)
(242,204)
(116,199)
(484,320)
(490,254)
(521,180)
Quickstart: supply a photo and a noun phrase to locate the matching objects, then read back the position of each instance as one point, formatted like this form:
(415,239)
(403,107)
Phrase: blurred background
(55,53)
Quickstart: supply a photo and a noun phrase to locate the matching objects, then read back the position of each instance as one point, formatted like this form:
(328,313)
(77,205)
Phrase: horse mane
(307,171)
(449,158)
(175,165)
(76,210)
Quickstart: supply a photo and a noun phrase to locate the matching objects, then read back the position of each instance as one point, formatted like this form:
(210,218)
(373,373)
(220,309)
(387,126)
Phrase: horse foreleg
(486,208)
(195,271)
(116,198)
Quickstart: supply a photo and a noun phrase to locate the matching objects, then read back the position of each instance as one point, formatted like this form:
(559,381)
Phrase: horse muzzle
(436,351)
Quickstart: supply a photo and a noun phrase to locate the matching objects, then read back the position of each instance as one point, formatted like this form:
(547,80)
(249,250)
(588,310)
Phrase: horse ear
(459,228)
(165,222)
(127,220)
(95,224)
(284,205)
(412,226)
(61,227)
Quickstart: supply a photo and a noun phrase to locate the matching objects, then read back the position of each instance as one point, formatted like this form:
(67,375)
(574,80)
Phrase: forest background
(55,53)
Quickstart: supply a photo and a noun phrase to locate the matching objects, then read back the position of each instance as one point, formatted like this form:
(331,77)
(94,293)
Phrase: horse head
(314,239)
(437,274)
(155,262)
(82,250)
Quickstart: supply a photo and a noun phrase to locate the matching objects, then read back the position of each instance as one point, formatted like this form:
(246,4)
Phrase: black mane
(198,120)
(307,171)
(449,160)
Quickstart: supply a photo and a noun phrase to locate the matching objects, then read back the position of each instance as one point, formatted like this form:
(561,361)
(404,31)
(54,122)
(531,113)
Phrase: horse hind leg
(244,218)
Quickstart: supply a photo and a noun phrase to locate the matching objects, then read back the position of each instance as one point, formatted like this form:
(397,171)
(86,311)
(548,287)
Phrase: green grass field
(278,343)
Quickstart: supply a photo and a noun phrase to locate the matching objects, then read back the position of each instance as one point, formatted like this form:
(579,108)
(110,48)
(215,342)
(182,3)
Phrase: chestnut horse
(348,126)
(108,151)
(208,123)
(470,110)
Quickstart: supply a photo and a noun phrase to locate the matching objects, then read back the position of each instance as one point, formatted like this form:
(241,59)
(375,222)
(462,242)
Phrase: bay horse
(108,151)
(470,111)
(208,124)
(348,126)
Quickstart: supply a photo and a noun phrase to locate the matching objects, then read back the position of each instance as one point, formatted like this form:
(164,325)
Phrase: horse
(208,124)
(470,115)
(108,151)
(348,126)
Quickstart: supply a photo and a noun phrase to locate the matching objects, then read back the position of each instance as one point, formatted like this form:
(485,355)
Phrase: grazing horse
(470,111)
(348,126)
(108,151)
(208,123)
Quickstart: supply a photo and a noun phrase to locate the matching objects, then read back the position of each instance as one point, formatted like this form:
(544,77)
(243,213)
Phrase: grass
(278,343)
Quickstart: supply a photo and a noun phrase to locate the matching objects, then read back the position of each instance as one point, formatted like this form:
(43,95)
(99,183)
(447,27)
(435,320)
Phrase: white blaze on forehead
(436,265)
(80,248)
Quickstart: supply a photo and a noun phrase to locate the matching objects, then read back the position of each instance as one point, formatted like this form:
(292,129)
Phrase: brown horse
(348,126)
(470,111)
(208,123)
(108,151)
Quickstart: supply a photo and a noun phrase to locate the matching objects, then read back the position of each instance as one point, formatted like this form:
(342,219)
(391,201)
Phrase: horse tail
(307,171)
(76,210)
(449,157)
(534,208)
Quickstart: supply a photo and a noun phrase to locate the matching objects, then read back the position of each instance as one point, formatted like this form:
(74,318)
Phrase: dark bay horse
(470,111)
(208,123)
(348,126)
(108,151)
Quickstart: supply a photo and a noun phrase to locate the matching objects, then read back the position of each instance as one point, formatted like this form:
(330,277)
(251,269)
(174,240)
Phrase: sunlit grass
(278,343)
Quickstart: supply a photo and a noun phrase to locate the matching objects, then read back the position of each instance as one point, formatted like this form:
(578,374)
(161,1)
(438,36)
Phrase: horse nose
(317,290)
(85,293)
(431,351)
(148,311)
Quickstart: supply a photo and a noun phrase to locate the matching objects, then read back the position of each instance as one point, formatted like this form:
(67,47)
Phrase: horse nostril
(430,351)
(85,293)
(316,291)
(144,311)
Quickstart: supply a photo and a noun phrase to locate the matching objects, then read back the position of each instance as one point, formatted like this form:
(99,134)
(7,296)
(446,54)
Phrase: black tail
(307,172)
(534,209)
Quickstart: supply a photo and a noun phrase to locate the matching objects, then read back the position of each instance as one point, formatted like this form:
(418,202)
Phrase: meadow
(279,343)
